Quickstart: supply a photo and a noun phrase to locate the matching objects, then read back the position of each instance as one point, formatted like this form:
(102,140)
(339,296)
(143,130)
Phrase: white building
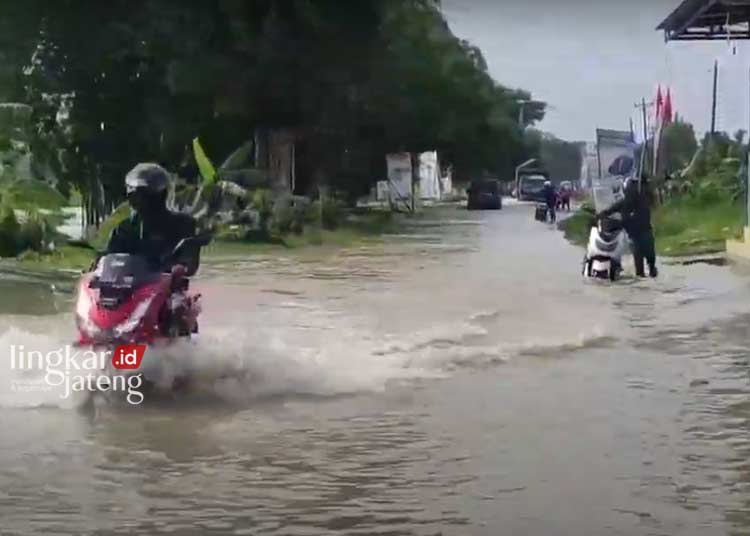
(397,189)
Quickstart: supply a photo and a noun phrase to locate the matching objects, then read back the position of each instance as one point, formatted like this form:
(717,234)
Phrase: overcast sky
(591,60)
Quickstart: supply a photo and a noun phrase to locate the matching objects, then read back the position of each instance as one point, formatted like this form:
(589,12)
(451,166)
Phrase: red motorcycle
(127,300)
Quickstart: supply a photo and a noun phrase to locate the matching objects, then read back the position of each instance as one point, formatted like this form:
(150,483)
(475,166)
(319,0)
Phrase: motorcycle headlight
(83,309)
(127,326)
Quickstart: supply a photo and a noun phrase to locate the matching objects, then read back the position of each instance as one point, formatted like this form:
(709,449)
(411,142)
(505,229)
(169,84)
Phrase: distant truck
(531,186)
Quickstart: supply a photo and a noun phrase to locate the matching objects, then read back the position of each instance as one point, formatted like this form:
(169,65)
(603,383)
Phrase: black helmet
(146,187)
(147,176)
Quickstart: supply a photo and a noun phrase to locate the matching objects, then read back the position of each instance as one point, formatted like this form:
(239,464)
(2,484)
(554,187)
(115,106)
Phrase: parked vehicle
(531,188)
(484,195)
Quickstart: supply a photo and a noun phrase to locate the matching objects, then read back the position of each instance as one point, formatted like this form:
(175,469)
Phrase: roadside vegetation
(343,83)
(344,228)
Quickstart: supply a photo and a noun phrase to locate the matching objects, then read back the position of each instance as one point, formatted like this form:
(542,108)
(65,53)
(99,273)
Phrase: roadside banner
(429,176)
(617,161)
(382,191)
(399,177)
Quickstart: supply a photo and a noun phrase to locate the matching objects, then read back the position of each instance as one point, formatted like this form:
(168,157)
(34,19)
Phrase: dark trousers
(551,212)
(644,249)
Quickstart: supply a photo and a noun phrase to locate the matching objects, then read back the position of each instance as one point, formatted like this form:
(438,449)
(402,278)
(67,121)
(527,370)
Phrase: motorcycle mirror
(203,239)
(179,246)
(198,240)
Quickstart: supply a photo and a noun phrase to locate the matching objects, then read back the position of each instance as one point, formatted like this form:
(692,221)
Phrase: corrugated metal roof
(708,19)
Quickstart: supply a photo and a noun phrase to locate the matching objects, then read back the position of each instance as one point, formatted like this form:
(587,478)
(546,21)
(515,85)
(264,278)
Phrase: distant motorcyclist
(635,208)
(550,198)
(152,230)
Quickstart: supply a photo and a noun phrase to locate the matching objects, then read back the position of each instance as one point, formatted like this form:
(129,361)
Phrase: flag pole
(713,99)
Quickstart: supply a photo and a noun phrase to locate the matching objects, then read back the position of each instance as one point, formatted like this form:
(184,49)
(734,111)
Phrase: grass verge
(682,227)
(358,229)
(67,257)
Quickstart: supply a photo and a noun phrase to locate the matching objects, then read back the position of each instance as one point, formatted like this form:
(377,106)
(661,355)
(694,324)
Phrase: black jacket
(154,240)
(549,195)
(635,208)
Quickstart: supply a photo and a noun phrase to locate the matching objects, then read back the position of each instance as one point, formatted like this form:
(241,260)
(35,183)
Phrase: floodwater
(460,379)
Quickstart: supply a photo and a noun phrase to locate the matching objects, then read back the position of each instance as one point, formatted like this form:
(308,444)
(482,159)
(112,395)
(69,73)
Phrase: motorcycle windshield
(122,270)
(606,194)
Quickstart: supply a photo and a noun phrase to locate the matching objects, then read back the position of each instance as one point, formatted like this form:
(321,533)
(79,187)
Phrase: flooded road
(459,379)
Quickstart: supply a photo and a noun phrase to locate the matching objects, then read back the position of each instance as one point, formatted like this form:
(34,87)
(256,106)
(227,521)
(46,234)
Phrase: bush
(331,213)
(33,194)
(327,213)
(120,214)
(10,231)
(262,201)
(34,233)
(282,218)
(30,256)
(708,192)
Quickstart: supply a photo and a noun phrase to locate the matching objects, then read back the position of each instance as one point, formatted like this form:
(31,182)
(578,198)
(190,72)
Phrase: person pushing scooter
(635,208)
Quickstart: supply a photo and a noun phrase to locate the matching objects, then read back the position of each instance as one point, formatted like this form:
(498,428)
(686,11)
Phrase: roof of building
(623,135)
(695,20)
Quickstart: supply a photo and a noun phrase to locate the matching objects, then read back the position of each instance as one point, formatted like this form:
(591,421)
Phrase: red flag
(667,112)
(659,102)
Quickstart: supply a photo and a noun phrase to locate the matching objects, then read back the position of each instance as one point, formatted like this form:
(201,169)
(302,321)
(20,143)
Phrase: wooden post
(414,179)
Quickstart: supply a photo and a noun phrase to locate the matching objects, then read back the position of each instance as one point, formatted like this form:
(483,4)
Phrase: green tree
(355,80)
(560,158)
(678,145)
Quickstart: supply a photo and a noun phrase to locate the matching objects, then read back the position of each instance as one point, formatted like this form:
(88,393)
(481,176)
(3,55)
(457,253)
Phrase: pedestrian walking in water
(550,197)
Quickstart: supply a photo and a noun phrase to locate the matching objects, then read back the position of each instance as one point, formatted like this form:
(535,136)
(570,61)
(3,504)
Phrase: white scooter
(606,247)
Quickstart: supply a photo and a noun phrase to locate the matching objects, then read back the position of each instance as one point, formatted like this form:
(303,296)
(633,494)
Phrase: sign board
(429,176)
(382,191)
(399,177)
(446,184)
(589,165)
(616,156)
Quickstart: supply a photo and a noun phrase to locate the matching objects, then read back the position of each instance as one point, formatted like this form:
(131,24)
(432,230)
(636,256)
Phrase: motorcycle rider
(635,208)
(153,231)
(550,198)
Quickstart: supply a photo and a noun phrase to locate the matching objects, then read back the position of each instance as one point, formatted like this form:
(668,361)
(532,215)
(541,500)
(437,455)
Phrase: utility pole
(414,159)
(713,102)
(643,105)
